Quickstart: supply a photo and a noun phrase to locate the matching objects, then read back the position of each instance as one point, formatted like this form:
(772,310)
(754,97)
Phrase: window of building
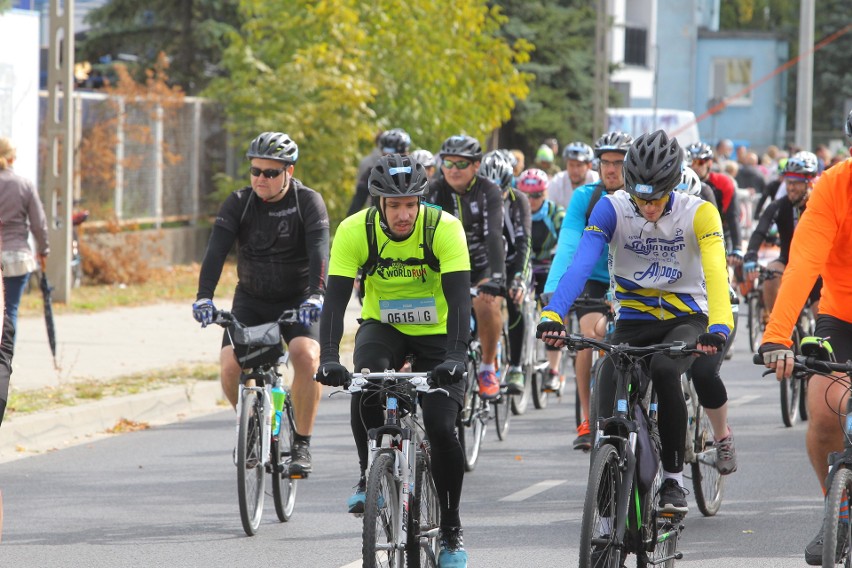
(729,76)
(636,46)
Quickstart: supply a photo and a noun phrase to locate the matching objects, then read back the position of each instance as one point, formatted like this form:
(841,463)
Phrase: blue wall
(676,37)
(763,122)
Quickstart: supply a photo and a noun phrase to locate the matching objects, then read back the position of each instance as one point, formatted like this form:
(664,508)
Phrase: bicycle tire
(251,475)
(469,424)
(601,503)
(790,390)
(381,515)
(424,520)
(520,402)
(539,395)
(283,487)
(839,493)
(755,322)
(803,400)
(502,415)
(707,482)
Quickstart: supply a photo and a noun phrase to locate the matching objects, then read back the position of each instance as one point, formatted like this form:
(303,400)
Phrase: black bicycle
(265,433)
(816,360)
(620,515)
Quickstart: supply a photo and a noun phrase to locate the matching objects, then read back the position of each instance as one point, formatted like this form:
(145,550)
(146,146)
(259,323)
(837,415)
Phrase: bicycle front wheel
(835,528)
(707,482)
(381,516)
(598,548)
(283,487)
(424,520)
(250,470)
(470,426)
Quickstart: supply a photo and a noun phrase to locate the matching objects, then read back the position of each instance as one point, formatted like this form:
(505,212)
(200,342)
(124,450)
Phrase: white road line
(532,490)
(743,400)
(356,564)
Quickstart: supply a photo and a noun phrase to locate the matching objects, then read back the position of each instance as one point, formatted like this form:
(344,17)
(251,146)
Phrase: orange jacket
(822,245)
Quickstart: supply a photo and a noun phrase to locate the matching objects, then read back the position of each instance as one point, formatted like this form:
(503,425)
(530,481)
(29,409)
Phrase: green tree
(5,5)
(561,98)
(330,72)
(190,32)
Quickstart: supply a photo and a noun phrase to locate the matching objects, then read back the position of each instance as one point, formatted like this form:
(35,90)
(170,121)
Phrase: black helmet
(496,167)
(802,164)
(652,166)
(579,151)
(849,125)
(614,141)
(274,146)
(462,145)
(394,141)
(395,175)
(699,151)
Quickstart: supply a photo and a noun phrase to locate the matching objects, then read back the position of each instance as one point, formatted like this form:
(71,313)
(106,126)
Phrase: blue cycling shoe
(453,554)
(355,503)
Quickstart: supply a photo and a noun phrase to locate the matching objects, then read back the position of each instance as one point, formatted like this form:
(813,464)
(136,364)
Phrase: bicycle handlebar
(576,342)
(225,318)
(810,365)
(420,381)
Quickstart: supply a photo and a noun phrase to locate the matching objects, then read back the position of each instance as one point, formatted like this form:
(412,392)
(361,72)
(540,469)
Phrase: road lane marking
(743,400)
(356,564)
(534,489)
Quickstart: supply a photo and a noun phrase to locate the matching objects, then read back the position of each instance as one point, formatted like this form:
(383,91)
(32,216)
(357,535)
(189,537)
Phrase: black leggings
(7,346)
(517,327)
(380,346)
(666,374)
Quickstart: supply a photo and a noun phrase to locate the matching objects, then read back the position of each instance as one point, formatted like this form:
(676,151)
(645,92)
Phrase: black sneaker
(813,551)
(672,498)
(300,458)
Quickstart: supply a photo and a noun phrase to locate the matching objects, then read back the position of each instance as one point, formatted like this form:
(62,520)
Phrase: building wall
(757,122)
(677,35)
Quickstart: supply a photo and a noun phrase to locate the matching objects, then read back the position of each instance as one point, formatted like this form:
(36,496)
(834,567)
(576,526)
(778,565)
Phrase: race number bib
(414,311)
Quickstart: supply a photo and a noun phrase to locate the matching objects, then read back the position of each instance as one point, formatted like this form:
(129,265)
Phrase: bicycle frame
(399,435)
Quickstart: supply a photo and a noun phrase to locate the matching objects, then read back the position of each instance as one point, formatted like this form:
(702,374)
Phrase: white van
(636,121)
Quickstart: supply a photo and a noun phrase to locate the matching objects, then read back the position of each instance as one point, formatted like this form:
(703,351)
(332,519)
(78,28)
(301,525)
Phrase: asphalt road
(167,496)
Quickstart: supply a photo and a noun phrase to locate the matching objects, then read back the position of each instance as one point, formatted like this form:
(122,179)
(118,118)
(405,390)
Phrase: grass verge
(22,402)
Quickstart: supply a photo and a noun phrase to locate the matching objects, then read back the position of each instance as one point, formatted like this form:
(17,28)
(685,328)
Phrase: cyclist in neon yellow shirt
(416,302)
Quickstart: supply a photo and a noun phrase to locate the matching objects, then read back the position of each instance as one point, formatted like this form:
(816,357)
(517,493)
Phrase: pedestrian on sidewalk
(21,212)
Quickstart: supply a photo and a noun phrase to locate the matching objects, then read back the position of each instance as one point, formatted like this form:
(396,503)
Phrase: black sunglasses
(268,174)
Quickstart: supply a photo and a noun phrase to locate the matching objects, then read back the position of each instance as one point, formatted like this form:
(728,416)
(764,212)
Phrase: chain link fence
(143,162)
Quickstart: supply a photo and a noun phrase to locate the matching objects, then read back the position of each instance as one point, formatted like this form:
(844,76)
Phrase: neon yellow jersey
(409,297)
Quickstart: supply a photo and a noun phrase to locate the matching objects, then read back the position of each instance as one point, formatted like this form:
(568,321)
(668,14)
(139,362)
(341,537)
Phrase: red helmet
(532,180)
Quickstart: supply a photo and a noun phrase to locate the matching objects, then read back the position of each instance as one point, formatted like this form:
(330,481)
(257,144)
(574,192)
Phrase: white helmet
(690,183)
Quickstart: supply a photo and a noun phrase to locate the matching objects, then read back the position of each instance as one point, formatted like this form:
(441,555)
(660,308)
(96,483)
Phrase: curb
(32,434)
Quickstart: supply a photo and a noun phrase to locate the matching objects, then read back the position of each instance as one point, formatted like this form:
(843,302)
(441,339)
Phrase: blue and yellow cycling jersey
(658,271)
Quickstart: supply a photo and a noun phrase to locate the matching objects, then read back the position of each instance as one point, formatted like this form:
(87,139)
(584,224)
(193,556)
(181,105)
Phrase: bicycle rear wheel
(520,402)
(755,322)
(707,482)
(251,474)
(598,548)
(381,516)
(833,528)
(469,425)
(283,487)
(424,520)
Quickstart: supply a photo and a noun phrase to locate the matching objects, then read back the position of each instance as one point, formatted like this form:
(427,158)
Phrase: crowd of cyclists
(651,229)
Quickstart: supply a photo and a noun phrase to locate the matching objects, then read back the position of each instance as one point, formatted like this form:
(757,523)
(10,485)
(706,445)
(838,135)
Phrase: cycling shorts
(594,289)
(839,333)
